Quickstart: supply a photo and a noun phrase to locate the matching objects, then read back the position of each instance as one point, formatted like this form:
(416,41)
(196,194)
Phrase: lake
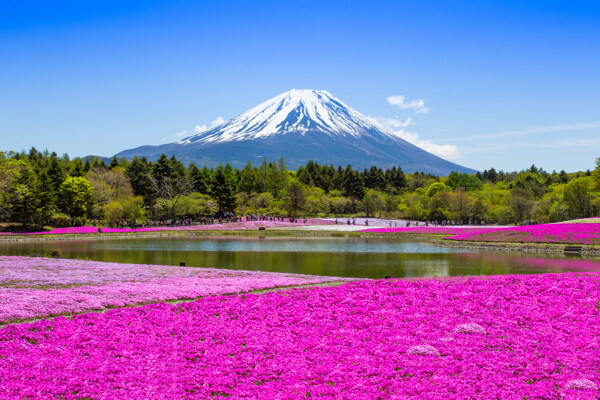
(348,257)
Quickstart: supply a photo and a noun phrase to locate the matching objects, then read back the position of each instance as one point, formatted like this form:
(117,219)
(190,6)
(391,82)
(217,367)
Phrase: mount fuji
(301,125)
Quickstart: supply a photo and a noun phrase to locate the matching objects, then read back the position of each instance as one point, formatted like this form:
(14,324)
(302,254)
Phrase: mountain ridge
(301,125)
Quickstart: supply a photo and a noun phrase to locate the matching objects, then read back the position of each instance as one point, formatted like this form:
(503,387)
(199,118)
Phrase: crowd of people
(219,219)
(271,218)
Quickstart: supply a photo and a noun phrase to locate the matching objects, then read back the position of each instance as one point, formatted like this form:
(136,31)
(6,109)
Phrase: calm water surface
(351,257)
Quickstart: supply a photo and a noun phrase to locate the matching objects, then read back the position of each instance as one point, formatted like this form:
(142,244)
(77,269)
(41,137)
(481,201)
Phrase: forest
(43,189)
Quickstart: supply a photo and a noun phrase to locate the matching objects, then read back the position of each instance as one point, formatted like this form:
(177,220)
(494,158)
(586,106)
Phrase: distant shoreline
(434,239)
(586,249)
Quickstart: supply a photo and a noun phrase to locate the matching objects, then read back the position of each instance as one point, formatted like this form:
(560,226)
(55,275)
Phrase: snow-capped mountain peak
(300,126)
(298,111)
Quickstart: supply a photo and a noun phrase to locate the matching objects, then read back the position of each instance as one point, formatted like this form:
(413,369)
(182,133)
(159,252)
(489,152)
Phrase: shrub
(60,220)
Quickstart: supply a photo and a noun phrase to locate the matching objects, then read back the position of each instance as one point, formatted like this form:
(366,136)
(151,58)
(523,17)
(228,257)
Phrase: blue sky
(503,84)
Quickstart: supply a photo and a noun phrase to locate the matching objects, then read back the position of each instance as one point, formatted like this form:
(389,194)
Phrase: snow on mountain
(301,125)
(293,111)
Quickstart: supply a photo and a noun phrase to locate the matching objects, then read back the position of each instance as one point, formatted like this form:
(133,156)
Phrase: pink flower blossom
(41,287)
(469,328)
(229,226)
(548,233)
(423,350)
(581,384)
(345,342)
(434,230)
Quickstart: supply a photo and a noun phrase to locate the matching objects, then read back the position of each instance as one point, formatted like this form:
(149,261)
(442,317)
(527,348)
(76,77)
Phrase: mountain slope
(301,125)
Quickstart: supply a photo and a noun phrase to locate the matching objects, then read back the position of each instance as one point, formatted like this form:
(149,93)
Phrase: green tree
(374,178)
(248,179)
(315,201)
(460,204)
(521,204)
(222,190)
(294,197)
(113,213)
(396,180)
(596,175)
(110,185)
(436,187)
(578,197)
(133,210)
(76,193)
(18,198)
(56,172)
(353,184)
(466,181)
(139,172)
(196,205)
(373,202)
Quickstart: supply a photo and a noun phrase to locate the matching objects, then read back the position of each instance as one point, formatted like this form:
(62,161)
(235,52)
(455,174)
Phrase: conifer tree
(222,190)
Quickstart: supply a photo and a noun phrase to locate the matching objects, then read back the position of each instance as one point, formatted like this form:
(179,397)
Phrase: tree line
(42,188)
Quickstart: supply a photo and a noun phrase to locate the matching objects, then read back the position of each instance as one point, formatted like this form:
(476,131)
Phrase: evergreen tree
(47,199)
(204,182)
(248,179)
(77,167)
(294,197)
(353,184)
(56,173)
(139,173)
(162,169)
(374,178)
(114,162)
(396,179)
(222,190)
(96,162)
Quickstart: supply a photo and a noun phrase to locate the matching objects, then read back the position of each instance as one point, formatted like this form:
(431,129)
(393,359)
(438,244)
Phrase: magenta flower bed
(40,287)
(499,337)
(436,230)
(547,233)
(231,226)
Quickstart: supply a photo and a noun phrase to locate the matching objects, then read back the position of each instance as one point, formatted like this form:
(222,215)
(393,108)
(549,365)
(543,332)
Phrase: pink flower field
(588,233)
(496,337)
(230,226)
(434,230)
(41,287)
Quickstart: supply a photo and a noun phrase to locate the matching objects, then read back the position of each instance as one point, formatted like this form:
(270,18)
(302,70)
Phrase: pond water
(349,257)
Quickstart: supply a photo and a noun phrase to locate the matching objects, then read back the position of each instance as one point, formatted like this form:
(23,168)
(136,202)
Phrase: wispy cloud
(533,131)
(202,128)
(400,101)
(558,145)
(392,123)
(447,151)
(181,134)
(396,125)
(199,129)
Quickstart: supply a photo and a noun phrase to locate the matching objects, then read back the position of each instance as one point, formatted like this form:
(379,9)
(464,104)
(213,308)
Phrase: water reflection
(354,257)
(536,264)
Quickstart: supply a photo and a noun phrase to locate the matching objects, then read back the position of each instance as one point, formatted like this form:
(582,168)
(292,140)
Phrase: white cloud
(392,123)
(400,101)
(202,128)
(199,128)
(217,121)
(181,134)
(447,151)
(396,125)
